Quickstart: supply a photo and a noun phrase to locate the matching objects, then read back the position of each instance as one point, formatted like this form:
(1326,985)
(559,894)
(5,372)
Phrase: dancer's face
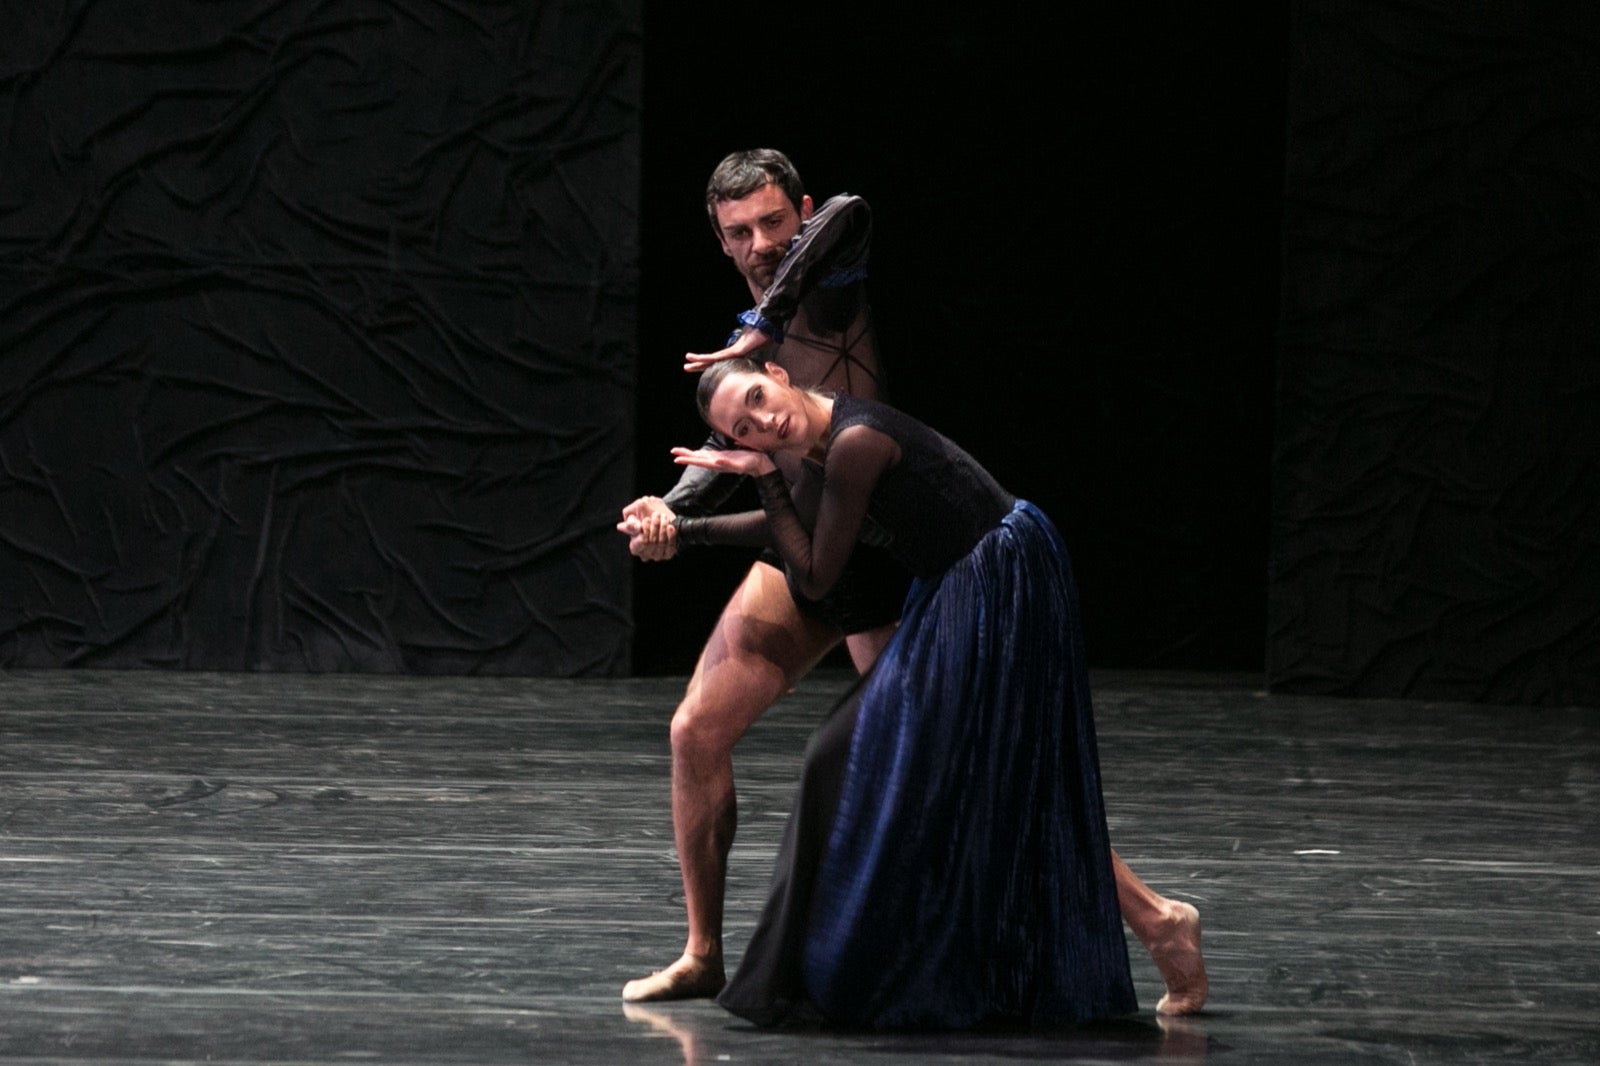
(756,231)
(763,411)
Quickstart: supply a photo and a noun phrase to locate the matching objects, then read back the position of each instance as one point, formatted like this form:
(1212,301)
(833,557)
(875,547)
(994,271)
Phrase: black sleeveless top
(887,479)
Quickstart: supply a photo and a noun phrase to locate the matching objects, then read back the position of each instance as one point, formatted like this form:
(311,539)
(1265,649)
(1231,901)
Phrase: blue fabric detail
(765,325)
(967,876)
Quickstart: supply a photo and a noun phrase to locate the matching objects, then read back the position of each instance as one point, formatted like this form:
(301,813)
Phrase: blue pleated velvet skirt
(947,863)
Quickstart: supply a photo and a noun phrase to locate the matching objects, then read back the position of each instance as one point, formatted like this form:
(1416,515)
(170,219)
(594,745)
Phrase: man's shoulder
(844,201)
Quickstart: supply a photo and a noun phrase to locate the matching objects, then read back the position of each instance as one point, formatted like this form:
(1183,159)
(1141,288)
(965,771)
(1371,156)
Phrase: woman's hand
(729,461)
(648,522)
(750,340)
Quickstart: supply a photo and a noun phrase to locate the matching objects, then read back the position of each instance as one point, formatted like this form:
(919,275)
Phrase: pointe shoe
(701,977)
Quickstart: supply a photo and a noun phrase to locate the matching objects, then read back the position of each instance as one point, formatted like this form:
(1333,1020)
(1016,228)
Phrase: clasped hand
(648,522)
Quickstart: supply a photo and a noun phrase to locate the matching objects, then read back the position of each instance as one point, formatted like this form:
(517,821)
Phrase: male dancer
(805,268)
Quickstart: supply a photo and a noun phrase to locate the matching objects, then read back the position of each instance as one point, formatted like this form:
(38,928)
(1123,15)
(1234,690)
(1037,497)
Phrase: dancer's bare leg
(760,647)
(865,647)
(1170,931)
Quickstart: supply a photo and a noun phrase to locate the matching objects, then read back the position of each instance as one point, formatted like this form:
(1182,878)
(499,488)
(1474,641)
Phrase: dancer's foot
(691,977)
(1177,956)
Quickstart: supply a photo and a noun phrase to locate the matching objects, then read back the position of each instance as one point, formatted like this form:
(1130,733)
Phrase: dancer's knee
(708,723)
(694,732)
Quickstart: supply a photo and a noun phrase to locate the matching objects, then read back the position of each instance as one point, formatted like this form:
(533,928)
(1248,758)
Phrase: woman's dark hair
(743,173)
(712,376)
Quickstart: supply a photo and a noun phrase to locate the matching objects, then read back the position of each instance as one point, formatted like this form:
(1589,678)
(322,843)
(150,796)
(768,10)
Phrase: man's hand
(749,340)
(651,535)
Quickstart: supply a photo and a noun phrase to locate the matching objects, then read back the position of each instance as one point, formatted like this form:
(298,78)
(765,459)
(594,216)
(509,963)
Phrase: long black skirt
(946,864)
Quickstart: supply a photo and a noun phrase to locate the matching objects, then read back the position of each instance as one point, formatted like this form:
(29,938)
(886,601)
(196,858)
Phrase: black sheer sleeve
(857,458)
(747,529)
(832,247)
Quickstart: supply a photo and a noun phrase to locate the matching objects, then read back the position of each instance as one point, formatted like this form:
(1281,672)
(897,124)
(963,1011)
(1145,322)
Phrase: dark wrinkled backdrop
(319,321)
(318,332)
(1436,525)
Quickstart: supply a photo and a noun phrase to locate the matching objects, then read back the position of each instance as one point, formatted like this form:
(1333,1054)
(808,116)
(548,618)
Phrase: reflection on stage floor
(318,870)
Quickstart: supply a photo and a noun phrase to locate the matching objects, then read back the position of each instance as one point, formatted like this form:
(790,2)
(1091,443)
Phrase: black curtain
(1075,274)
(318,322)
(1436,512)
(317,334)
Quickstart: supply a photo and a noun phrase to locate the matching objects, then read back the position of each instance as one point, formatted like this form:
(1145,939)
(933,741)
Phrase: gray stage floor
(272,869)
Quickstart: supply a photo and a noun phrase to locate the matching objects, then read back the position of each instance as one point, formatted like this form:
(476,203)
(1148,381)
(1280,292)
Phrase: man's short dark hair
(743,173)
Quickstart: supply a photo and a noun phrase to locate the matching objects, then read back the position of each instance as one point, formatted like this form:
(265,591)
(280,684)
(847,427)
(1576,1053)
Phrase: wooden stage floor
(291,869)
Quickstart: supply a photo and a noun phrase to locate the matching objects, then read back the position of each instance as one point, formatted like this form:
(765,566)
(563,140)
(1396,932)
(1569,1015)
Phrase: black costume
(816,312)
(947,861)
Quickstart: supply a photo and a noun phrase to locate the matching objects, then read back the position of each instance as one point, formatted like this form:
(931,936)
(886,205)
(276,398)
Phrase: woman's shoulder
(890,421)
(853,410)
(862,433)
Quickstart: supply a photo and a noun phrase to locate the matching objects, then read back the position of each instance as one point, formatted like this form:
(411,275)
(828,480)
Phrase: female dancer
(947,861)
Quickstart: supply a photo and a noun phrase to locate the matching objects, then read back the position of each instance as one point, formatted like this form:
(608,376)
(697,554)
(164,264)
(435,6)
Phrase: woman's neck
(822,421)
